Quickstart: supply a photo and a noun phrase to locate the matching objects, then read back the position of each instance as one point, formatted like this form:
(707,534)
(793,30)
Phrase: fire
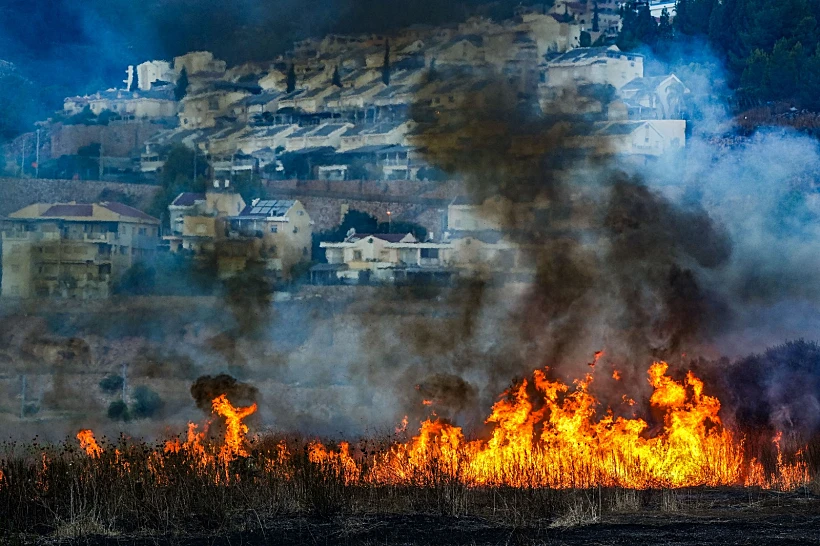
(234,445)
(566,441)
(544,433)
(89,444)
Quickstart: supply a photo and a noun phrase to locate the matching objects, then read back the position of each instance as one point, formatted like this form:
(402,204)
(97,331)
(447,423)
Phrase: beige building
(201,109)
(633,138)
(277,233)
(151,72)
(137,104)
(197,220)
(384,258)
(198,62)
(73,250)
(594,65)
(274,233)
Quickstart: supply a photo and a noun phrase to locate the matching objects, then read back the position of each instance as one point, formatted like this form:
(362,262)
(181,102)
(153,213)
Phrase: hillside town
(337,124)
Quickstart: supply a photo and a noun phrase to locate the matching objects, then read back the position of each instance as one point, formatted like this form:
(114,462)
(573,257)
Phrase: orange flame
(563,442)
(89,444)
(234,445)
(545,433)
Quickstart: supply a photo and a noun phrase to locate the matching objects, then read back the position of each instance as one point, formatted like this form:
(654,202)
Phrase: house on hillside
(463,50)
(593,65)
(632,138)
(152,72)
(202,109)
(73,250)
(259,138)
(153,104)
(199,62)
(197,220)
(322,136)
(550,33)
(364,258)
(657,97)
(274,233)
(379,134)
(255,105)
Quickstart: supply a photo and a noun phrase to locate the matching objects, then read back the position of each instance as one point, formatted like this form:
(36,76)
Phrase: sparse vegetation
(62,492)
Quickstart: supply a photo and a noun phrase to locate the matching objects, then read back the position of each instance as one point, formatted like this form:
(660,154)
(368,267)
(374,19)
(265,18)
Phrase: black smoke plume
(207,387)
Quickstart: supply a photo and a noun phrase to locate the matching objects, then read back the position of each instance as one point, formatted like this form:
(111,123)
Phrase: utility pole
(194,162)
(23,397)
(124,380)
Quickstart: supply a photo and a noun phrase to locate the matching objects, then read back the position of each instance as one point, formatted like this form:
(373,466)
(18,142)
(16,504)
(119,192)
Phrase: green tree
(637,27)
(138,280)
(147,403)
(112,384)
(181,88)
(665,31)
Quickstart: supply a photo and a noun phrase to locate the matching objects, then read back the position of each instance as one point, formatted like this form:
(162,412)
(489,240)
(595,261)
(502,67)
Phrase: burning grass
(552,455)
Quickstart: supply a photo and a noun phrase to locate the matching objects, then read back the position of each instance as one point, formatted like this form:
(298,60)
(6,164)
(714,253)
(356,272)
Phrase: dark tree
(147,403)
(386,66)
(665,30)
(291,81)
(181,88)
(596,23)
(337,79)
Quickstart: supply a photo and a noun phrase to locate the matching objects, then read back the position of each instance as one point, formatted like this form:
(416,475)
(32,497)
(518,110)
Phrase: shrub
(111,384)
(146,403)
(118,411)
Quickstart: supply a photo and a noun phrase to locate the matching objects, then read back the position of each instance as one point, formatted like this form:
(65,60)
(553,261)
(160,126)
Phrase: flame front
(545,433)
(565,443)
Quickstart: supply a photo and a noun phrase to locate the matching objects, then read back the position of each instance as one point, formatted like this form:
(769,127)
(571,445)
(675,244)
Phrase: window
(295,230)
(274,229)
(143,231)
(357,255)
(301,213)
(429,253)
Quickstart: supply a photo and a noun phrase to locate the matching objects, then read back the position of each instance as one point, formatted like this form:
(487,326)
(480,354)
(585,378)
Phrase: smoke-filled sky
(712,252)
(89,44)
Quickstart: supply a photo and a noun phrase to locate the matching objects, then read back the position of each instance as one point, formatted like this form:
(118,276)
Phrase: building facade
(73,250)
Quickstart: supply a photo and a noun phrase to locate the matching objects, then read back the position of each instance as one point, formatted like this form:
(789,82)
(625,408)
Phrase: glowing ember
(89,444)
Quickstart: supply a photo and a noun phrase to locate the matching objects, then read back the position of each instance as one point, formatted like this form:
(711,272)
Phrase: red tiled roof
(125,210)
(69,210)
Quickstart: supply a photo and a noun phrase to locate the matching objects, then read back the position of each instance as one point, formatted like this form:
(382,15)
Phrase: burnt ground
(705,517)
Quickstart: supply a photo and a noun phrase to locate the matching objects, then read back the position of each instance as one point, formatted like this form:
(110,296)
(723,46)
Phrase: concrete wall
(118,140)
(16,193)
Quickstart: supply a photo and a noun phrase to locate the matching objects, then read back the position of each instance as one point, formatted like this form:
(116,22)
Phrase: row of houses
(82,250)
